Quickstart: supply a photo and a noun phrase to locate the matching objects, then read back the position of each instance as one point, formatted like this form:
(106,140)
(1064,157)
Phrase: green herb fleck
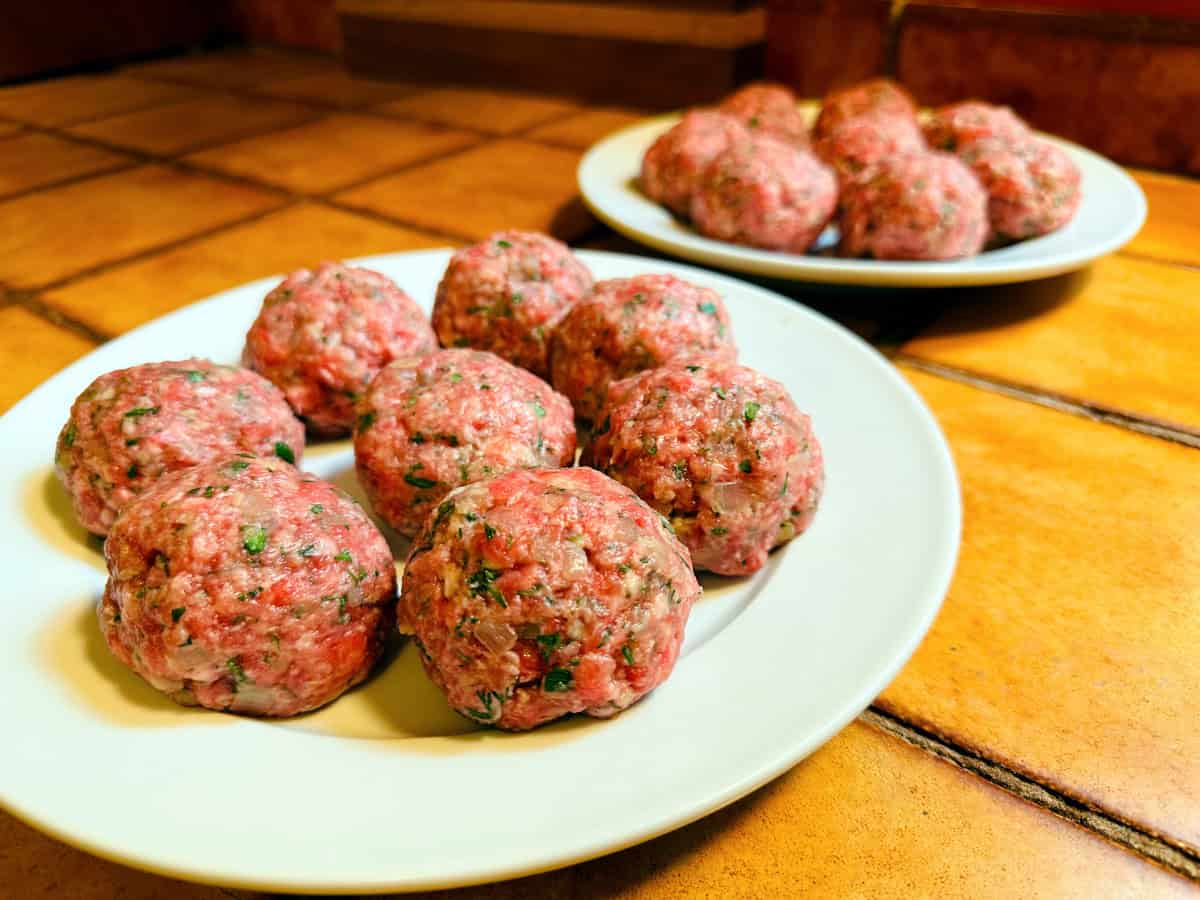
(443,513)
(680,469)
(786,478)
(69,435)
(254,539)
(744,466)
(692,369)
(482,582)
(718,531)
(138,411)
(234,665)
(488,531)
(307,550)
(195,375)
(548,643)
(177,613)
(557,681)
(132,442)
(238,464)
(343,616)
(750,411)
(132,471)
(708,308)
(284,452)
(365,421)
(503,244)
(417,438)
(627,652)
(343,556)
(539,410)
(316,509)
(649,446)
(416,480)
(209,490)
(455,377)
(719,391)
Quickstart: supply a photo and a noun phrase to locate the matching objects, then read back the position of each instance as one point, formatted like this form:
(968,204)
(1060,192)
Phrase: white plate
(1112,211)
(387,789)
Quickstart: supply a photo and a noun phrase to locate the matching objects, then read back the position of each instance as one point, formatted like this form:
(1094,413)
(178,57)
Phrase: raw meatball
(248,586)
(770,109)
(132,426)
(721,451)
(672,166)
(915,206)
(430,424)
(1032,185)
(323,334)
(765,193)
(878,96)
(630,324)
(950,127)
(857,144)
(543,592)
(506,294)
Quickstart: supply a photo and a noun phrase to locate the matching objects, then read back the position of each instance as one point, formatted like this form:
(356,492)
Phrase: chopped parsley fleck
(649,446)
(488,531)
(132,471)
(138,411)
(753,123)
(132,442)
(707,308)
(627,652)
(234,665)
(69,435)
(482,583)
(718,531)
(719,391)
(177,613)
(238,464)
(750,411)
(416,438)
(316,509)
(193,492)
(416,480)
(455,377)
(195,375)
(539,410)
(558,681)
(548,643)
(744,466)
(209,490)
(343,616)
(307,550)
(365,421)
(692,369)
(443,513)
(786,478)
(503,244)
(680,469)
(254,539)
(250,595)
(284,452)
(344,556)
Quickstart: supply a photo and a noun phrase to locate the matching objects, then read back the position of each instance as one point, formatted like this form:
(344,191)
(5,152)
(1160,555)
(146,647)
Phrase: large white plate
(1112,211)
(387,789)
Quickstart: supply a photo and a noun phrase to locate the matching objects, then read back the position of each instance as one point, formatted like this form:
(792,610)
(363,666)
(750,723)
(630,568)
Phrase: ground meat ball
(672,166)
(950,127)
(915,206)
(430,424)
(630,324)
(770,109)
(324,334)
(543,592)
(248,586)
(856,145)
(876,97)
(765,193)
(132,426)
(506,294)
(721,451)
(1032,186)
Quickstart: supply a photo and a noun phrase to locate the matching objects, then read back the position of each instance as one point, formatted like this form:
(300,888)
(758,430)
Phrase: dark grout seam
(113,169)
(44,311)
(1126,836)
(1095,412)
(397,221)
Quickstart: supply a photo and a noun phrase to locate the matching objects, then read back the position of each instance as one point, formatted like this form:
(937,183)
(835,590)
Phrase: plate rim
(867,273)
(779,761)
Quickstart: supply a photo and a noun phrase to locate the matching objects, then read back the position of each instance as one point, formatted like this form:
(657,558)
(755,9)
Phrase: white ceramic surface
(1112,211)
(387,789)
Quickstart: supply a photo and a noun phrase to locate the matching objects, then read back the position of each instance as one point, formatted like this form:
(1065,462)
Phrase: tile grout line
(113,169)
(1124,835)
(1095,412)
(48,313)
(394,220)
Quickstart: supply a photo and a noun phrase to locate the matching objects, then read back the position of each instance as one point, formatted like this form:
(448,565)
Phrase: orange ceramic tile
(496,112)
(337,88)
(868,816)
(8,129)
(1172,229)
(31,160)
(67,100)
(126,296)
(584,129)
(502,184)
(1122,334)
(1066,648)
(210,119)
(233,69)
(31,350)
(59,232)
(33,865)
(332,152)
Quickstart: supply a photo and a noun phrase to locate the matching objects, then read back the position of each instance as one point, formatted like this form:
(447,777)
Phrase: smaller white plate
(1111,213)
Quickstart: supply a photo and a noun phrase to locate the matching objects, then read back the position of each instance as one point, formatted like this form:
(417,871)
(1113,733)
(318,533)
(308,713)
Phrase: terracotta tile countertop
(1044,740)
